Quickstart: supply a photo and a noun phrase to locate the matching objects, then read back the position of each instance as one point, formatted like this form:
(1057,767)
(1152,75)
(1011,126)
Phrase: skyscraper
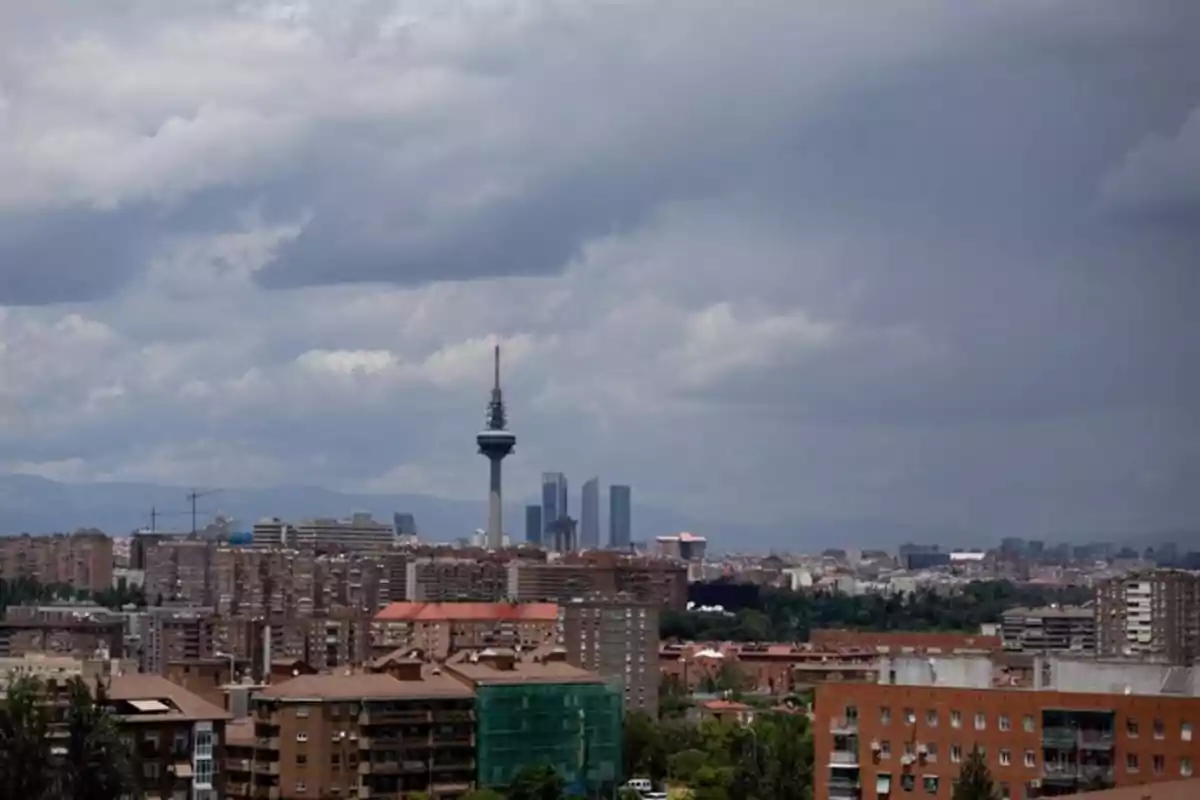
(495,443)
(619,517)
(554,499)
(589,515)
(533,524)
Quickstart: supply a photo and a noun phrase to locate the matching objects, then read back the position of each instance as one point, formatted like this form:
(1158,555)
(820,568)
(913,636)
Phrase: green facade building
(538,713)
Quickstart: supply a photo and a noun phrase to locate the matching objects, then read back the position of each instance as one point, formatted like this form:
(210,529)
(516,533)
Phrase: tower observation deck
(495,442)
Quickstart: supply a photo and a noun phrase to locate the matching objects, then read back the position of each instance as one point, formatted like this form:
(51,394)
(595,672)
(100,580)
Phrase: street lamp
(232,663)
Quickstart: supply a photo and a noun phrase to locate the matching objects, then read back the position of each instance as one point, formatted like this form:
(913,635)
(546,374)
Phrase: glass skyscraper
(533,524)
(620,518)
(554,499)
(589,515)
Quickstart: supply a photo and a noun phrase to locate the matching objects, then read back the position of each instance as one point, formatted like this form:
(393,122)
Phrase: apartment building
(83,559)
(179,570)
(80,636)
(178,738)
(535,708)
(1049,629)
(618,639)
(169,634)
(1084,726)
(439,630)
(369,735)
(599,571)
(441,580)
(359,533)
(1150,614)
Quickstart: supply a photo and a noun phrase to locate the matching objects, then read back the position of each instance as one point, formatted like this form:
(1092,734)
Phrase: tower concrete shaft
(496,442)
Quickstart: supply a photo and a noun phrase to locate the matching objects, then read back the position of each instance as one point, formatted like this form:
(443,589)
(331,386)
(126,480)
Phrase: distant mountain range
(37,505)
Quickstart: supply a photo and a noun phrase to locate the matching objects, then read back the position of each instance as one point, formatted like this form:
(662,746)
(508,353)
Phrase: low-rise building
(1049,629)
(438,630)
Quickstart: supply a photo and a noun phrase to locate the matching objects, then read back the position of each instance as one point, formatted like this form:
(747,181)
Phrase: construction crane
(155,514)
(195,495)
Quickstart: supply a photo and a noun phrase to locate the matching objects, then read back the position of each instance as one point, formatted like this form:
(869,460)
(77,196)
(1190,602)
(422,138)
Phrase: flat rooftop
(363,687)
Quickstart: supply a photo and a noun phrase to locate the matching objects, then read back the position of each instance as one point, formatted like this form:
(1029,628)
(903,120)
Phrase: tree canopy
(975,779)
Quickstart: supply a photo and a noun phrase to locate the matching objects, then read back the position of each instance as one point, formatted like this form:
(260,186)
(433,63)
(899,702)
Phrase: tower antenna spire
(497,367)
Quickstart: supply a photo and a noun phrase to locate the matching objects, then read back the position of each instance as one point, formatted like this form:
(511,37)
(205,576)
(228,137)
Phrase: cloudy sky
(924,261)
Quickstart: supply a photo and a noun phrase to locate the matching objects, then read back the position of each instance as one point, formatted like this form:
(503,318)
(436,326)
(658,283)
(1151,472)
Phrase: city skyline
(964,302)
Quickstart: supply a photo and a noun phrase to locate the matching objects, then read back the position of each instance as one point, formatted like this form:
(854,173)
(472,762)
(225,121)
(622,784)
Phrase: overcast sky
(925,261)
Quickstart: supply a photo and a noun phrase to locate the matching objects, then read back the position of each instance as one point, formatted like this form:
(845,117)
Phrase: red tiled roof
(468,612)
(726,705)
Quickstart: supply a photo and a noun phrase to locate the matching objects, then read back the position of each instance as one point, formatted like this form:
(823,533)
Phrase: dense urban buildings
(1153,613)
(589,515)
(82,560)
(620,518)
(618,638)
(438,630)
(683,546)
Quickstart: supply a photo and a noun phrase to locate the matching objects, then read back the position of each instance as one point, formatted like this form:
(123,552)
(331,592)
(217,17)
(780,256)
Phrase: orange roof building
(438,630)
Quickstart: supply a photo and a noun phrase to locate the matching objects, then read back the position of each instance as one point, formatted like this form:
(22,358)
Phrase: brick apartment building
(1155,614)
(83,559)
(439,630)
(1084,725)
(370,735)
(178,738)
(618,639)
(1049,629)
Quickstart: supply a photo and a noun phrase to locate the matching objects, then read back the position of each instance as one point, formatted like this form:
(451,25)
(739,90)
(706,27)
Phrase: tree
(98,760)
(975,779)
(536,783)
(24,741)
(645,754)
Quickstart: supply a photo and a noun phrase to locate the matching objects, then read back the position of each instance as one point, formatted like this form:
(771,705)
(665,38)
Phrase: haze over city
(764,263)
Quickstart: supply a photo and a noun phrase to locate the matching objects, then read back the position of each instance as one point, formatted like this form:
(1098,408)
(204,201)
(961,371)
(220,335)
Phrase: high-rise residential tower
(533,524)
(619,517)
(589,515)
(495,443)
(554,500)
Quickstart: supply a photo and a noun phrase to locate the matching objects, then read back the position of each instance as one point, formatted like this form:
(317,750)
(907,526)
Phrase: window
(336,759)
(1185,731)
(931,718)
(1160,765)
(1160,730)
(931,784)
(1005,723)
(910,749)
(1131,762)
(955,719)
(300,787)
(302,712)
(1005,792)
(1005,757)
(931,751)
(181,742)
(1030,759)
(1185,767)
(885,749)
(1027,723)
(301,759)
(885,715)
(150,770)
(335,711)
(301,736)
(980,721)
(1131,728)
(910,716)
(908,782)
(852,713)
(956,754)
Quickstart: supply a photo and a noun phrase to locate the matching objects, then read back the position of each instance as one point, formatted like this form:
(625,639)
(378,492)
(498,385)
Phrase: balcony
(372,716)
(843,758)
(266,743)
(843,726)
(1064,738)
(837,783)
(265,793)
(266,767)
(1059,772)
(1097,773)
(237,765)
(237,789)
